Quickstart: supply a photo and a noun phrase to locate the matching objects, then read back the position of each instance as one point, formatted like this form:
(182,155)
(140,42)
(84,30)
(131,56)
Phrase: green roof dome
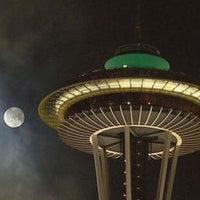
(137,60)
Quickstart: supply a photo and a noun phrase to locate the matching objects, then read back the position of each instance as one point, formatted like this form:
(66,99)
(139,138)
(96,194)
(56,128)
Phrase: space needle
(136,109)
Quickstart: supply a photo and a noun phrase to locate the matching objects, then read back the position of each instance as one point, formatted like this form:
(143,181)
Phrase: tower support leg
(101,169)
(172,173)
(127,153)
(105,174)
(163,168)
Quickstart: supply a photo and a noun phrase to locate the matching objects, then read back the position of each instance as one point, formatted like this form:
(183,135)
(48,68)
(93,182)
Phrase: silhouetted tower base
(135,153)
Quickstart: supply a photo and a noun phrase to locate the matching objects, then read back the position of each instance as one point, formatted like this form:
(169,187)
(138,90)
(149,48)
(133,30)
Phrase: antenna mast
(137,28)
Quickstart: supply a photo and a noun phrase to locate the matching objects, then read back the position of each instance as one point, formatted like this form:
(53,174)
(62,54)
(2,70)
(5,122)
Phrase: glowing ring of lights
(65,97)
(99,87)
(53,108)
(156,154)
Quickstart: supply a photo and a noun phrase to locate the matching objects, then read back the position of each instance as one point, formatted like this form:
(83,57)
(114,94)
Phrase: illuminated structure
(135,108)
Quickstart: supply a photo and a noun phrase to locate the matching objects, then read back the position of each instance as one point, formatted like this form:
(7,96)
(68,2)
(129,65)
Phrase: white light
(170,86)
(102,84)
(159,84)
(113,83)
(136,83)
(190,90)
(124,83)
(181,87)
(74,92)
(148,83)
(91,86)
(14,117)
(196,94)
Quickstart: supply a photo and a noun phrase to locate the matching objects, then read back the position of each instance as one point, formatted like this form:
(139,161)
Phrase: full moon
(14,117)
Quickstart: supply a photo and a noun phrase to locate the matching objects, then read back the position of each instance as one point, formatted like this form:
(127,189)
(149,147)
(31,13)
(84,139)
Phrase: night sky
(45,43)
